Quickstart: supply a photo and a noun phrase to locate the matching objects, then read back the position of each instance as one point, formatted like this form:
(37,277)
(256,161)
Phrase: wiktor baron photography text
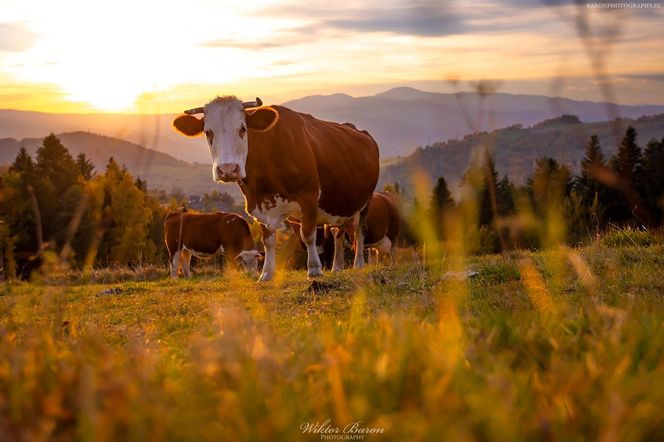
(330,431)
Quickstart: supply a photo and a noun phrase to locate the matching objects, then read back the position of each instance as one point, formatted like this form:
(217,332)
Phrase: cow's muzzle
(228,172)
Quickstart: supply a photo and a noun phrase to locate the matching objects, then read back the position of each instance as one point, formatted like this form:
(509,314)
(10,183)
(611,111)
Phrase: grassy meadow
(565,344)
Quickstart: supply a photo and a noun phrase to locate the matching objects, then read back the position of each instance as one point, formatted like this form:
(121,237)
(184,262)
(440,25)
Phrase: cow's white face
(226,125)
(249,260)
(226,131)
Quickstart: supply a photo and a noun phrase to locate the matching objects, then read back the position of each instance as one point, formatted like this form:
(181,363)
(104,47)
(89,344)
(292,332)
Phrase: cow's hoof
(315,273)
(337,269)
(265,277)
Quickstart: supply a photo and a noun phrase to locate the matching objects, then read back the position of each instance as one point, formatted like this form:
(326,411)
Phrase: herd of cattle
(294,171)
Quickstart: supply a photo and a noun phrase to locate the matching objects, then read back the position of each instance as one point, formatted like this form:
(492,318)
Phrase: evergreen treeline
(58,205)
(554,206)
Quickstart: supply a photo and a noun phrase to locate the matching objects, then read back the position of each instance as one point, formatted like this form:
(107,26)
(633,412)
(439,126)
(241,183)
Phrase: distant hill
(97,147)
(151,131)
(516,148)
(161,170)
(400,119)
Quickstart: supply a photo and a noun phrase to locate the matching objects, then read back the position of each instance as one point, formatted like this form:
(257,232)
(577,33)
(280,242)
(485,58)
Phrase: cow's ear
(189,125)
(261,118)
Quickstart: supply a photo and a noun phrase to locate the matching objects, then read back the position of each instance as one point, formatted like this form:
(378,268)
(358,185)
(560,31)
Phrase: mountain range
(400,119)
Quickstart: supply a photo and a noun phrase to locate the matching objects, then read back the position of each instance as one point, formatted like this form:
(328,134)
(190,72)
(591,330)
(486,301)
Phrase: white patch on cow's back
(272,212)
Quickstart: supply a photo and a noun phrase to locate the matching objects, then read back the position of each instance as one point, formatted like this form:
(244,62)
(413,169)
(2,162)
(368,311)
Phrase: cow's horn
(256,103)
(196,110)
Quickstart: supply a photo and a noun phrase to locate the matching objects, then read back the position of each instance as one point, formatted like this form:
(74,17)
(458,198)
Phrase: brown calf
(205,235)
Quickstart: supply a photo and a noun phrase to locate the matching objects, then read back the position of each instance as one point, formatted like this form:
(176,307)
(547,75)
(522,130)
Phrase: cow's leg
(270,244)
(308,235)
(393,253)
(185,261)
(359,242)
(339,239)
(175,263)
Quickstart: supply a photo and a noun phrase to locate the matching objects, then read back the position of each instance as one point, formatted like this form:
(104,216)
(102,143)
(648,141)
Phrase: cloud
(651,77)
(428,18)
(420,19)
(15,37)
(244,44)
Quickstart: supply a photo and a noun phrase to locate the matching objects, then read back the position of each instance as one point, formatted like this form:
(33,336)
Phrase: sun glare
(110,54)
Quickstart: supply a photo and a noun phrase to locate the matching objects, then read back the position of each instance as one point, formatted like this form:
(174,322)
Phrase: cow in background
(382,226)
(324,243)
(290,164)
(205,235)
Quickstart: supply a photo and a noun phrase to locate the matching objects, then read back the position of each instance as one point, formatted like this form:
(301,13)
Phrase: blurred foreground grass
(559,345)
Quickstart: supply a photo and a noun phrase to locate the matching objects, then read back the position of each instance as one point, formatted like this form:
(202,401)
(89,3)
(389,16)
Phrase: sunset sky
(162,56)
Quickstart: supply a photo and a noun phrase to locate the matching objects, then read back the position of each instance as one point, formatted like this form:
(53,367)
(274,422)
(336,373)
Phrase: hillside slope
(161,170)
(515,149)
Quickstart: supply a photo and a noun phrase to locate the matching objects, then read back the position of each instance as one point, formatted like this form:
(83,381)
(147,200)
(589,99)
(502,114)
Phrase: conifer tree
(85,166)
(627,161)
(55,163)
(440,204)
(590,190)
(653,178)
(626,204)
(23,162)
(548,185)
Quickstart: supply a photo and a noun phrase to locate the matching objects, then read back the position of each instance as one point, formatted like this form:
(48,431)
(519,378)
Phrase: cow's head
(249,260)
(227,123)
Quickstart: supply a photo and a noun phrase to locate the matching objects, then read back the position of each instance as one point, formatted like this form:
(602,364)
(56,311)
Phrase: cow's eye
(210,135)
(243,130)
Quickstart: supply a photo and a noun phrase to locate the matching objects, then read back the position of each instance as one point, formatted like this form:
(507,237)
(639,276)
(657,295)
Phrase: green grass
(561,345)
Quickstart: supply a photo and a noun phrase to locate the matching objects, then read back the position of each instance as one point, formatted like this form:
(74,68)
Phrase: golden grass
(562,345)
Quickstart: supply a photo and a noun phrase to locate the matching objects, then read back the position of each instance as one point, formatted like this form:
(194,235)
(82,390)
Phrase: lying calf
(208,234)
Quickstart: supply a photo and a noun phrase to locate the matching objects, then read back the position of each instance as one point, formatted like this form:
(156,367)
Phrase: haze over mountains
(400,119)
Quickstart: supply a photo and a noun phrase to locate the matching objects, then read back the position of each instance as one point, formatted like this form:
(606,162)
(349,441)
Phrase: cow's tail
(170,215)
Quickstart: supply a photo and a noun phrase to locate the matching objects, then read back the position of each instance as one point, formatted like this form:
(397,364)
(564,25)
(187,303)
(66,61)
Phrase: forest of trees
(59,206)
(56,205)
(625,190)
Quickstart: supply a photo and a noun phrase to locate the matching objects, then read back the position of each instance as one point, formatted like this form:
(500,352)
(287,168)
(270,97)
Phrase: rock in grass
(111,291)
(460,276)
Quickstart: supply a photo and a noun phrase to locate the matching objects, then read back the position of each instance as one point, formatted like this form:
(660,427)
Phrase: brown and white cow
(289,164)
(324,243)
(383,224)
(204,235)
